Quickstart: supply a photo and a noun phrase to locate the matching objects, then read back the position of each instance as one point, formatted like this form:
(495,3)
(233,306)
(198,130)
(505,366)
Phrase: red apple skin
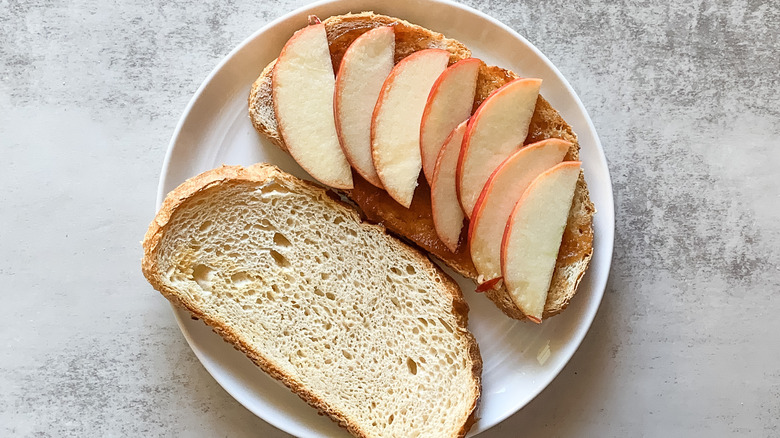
(470,130)
(508,229)
(467,63)
(380,101)
(489,284)
(480,205)
(451,243)
(372,178)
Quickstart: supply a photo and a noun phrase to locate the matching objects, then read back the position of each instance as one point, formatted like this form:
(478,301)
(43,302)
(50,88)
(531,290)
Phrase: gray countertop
(685,98)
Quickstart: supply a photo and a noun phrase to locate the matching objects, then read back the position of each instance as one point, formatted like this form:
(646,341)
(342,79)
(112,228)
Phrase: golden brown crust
(263,116)
(259,173)
(409,38)
(416,223)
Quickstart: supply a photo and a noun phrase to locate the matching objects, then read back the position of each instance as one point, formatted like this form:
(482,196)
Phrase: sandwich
(409,213)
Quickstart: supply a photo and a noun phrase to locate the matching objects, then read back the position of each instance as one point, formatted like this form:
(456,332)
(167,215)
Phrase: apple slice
(363,70)
(395,123)
(497,128)
(303,84)
(446,211)
(449,103)
(533,237)
(499,196)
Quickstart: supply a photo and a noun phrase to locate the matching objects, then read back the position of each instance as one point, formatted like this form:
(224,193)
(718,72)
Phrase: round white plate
(215,129)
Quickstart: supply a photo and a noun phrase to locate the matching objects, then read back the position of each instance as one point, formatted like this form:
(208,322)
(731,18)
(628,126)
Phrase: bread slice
(416,222)
(361,326)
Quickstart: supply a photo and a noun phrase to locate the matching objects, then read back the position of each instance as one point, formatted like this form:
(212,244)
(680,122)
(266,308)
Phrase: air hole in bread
(410,270)
(273,187)
(395,302)
(280,240)
(202,275)
(280,259)
(265,224)
(396,271)
(412,365)
(346,354)
(330,295)
(205,226)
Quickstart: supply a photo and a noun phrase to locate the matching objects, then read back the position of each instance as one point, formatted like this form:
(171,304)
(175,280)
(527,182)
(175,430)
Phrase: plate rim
(606,211)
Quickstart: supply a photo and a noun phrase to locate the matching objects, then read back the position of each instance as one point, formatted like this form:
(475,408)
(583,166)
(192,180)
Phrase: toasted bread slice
(361,326)
(416,222)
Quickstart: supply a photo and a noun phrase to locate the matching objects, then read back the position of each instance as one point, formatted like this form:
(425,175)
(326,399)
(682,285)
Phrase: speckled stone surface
(686,99)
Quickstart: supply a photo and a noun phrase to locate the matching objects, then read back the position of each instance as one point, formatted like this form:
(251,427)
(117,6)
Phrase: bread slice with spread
(416,223)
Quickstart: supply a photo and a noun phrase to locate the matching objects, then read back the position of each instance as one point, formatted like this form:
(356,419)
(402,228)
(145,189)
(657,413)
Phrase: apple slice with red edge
(449,104)
(500,195)
(497,129)
(363,70)
(445,209)
(533,236)
(395,123)
(303,85)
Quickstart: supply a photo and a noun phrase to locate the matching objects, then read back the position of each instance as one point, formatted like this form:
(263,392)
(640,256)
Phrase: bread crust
(416,223)
(260,173)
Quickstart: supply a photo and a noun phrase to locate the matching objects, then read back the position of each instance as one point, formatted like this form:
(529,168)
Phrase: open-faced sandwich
(421,136)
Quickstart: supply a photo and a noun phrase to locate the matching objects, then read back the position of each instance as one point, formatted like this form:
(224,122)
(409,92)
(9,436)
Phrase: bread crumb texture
(330,304)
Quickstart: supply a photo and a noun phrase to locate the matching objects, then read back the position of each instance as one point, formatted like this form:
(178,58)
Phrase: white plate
(215,129)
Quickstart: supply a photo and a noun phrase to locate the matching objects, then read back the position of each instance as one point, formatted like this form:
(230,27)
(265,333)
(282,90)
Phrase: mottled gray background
(684,97)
